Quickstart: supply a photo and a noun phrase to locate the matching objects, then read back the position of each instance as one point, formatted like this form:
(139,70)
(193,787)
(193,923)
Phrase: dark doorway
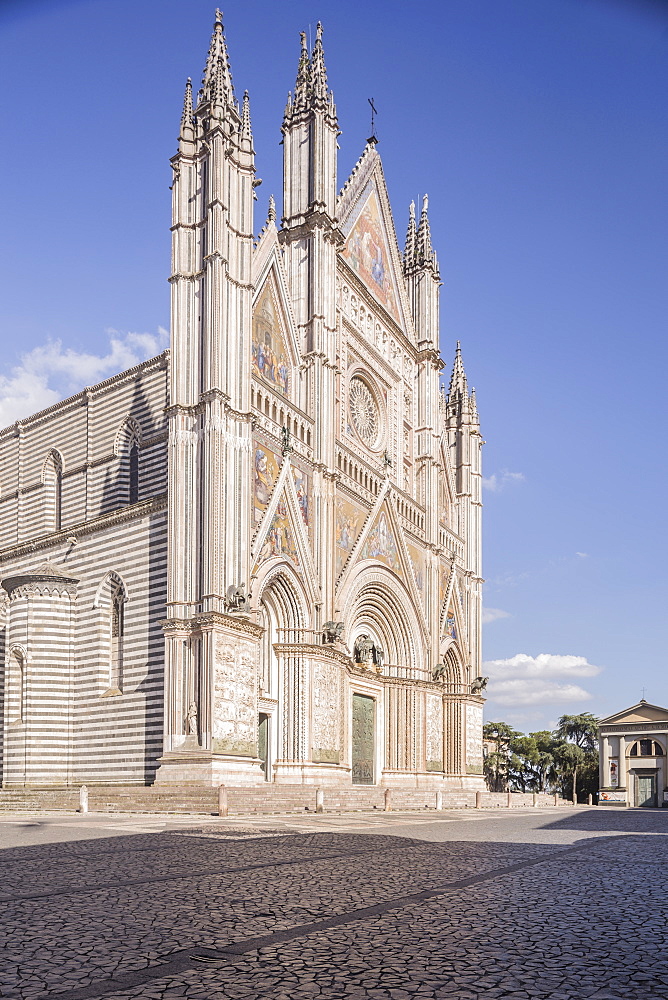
(364,711)
(263,742)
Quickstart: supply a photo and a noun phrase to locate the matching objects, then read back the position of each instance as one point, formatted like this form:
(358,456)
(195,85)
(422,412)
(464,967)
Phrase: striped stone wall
(84,711)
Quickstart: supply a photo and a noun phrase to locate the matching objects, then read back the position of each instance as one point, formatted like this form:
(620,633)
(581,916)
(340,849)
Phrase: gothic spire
(318,71)
(424,250)
(409,249)
(458,383)
(217,79)
(271,214)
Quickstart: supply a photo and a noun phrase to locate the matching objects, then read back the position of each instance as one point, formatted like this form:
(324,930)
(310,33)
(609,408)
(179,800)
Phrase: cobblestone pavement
(564,905)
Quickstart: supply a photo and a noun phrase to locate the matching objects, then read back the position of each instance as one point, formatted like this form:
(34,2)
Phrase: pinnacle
(409,249)
(245,116)
(311,85)
(318,71)
(187,113)
(303,82)
(458,383)
(424,250)
(271,214)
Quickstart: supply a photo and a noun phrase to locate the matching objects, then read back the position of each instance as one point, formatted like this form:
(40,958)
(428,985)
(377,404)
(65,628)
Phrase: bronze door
(364,712)
(646,790)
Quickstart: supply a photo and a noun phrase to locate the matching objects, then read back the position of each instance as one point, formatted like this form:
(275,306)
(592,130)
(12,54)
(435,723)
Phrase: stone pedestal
(201,767)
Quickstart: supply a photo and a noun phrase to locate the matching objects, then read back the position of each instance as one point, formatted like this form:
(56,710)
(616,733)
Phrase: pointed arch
(454,671)
(110,580)
(377,602)
(111,599)
(127,448)
(52,480)
(18,686)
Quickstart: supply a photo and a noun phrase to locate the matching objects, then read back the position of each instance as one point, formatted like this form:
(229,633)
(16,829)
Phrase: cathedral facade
(256,557)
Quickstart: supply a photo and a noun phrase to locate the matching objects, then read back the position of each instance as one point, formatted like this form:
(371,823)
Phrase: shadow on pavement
(610,820)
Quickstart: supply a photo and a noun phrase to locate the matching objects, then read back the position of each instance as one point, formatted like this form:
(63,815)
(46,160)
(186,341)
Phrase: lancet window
(117,629)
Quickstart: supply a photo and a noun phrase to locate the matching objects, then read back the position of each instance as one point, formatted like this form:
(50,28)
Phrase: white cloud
(534,680)
(535,692)
(493,615)
(582,555)
(495,483)
(48,372)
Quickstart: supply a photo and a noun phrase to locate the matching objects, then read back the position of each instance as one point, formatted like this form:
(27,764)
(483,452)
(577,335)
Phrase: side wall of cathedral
(83,568)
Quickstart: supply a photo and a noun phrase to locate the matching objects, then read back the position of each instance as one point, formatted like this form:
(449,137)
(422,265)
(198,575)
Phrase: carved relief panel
(234,710)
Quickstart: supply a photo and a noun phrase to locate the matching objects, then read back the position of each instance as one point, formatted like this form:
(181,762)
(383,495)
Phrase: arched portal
(386,735)
(282,680)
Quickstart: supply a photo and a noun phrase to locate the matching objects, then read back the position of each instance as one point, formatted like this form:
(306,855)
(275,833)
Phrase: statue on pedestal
(236,599)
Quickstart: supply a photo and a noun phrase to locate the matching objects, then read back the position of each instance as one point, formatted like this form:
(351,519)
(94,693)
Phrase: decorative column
(622,767)
(604,765)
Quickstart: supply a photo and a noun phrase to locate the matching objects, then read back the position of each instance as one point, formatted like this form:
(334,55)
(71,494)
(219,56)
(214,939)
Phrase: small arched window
(646,748)
(20,686)
(117,624)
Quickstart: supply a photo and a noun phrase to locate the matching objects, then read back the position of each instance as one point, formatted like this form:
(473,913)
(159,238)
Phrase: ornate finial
(271,214)
(245,116)
(218,18)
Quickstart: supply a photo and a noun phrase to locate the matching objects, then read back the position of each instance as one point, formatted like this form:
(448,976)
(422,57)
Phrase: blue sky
(539,131)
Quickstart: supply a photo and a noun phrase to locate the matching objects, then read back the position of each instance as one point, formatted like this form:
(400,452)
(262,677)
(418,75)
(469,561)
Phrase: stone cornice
(210,620)
(132,512)
(635,727)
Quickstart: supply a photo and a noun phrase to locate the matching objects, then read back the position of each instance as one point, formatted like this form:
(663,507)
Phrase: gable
(380,544)
(642,712)
(282,510)
(272,357)
(367,250)
(349,518)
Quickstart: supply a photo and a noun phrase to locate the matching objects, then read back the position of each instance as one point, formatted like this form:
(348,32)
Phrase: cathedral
(257,557)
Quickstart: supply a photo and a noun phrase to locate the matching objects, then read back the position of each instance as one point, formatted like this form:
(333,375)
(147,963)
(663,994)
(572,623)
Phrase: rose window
(363,410)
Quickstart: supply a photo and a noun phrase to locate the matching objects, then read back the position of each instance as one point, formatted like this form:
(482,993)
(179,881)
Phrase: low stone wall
(261,800)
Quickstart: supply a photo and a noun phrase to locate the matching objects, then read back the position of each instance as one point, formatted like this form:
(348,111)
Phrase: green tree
(546,745)
(579,729)
(578,732)
(499,736)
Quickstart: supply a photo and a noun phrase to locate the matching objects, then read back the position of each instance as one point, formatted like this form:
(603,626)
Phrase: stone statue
(378,656)
(438,673)
(236,599)
(191,720)
(285,440)
(363,648)
(479,685)
(331,631)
